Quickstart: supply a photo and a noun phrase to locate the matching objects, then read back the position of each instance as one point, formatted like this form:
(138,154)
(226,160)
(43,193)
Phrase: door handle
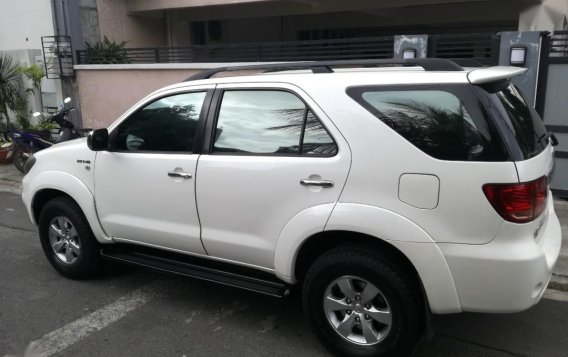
(319,183)
(183,175)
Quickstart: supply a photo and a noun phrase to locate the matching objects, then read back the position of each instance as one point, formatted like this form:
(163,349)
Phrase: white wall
(22,24)
(551,15)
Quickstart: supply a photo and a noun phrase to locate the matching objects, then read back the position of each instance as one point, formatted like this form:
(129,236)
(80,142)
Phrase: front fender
(70,185)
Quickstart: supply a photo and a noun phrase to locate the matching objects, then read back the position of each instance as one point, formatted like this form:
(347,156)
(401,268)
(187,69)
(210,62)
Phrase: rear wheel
(359,303)
(67,240)
(21,153)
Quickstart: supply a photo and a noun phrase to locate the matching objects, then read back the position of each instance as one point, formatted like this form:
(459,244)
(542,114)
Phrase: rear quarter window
(436,120)
(521,121)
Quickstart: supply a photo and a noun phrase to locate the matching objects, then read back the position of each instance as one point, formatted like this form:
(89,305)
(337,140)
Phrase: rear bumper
(509,274)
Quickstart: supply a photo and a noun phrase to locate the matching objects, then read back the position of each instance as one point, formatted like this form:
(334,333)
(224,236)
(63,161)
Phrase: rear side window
(436,121)
(269,122)
(521,120)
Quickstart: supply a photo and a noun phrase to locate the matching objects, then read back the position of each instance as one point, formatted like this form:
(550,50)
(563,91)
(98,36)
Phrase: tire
(395,319)
(21,153)
(67,240)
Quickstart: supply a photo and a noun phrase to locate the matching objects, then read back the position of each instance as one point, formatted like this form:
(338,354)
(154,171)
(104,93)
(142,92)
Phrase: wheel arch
(319,243)
(50,184)
(43,196)
(398,238)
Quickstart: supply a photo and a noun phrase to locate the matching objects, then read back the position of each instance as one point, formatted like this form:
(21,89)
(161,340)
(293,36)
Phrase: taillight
(518,202)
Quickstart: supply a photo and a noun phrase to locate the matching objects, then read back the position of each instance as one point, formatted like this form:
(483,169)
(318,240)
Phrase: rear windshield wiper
(548,135)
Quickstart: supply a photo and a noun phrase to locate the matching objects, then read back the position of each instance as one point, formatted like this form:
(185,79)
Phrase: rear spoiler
(494,74)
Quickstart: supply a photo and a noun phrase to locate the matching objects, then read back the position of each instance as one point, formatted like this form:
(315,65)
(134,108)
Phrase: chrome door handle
(319,183)
(183,175)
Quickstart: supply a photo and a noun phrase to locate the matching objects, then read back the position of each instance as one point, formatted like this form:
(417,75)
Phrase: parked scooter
(27,142)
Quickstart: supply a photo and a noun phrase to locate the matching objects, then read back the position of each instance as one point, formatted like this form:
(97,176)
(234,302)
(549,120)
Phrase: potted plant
(6,151)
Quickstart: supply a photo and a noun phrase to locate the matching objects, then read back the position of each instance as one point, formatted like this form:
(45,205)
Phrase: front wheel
(359,303)
(22,152)
(67,240)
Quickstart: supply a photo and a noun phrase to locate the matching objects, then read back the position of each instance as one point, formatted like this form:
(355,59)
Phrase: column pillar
(530,41)
(419,43)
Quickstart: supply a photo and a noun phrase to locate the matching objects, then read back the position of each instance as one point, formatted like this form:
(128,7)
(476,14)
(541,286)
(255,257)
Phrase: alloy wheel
(357,310)
(64,239)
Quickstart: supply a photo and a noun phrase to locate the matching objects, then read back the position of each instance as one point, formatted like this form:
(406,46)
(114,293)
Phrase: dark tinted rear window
(521,120)
(436,120)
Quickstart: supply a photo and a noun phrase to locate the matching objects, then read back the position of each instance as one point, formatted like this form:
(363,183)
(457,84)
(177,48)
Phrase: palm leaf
(11,86)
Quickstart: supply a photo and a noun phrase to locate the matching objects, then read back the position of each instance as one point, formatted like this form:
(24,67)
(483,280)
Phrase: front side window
(269,122)
(166,125)
(435,121)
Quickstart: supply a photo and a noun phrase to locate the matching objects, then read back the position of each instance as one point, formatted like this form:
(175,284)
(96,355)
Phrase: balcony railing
(353,48)
(481,48)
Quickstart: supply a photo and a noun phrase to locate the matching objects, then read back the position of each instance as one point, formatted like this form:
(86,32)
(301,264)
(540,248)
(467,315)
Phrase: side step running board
(199,268)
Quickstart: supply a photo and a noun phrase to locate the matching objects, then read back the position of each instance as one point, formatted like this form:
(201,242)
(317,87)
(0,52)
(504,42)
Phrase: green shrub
(106,52)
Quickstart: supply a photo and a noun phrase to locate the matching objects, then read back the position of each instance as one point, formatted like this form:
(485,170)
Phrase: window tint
(269,122)
(523,121)
(435,121)
(317,141)
(168,124)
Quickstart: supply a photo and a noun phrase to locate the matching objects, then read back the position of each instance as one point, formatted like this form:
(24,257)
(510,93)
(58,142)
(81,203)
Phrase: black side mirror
(97,140)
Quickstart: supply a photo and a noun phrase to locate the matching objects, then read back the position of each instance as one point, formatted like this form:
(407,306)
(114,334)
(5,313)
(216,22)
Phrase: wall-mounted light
(409,53)
(518,56)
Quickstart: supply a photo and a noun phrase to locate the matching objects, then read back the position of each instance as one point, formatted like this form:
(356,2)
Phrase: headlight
(30,162)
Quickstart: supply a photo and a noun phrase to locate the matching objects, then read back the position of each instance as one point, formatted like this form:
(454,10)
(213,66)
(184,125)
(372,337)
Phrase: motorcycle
(28,142)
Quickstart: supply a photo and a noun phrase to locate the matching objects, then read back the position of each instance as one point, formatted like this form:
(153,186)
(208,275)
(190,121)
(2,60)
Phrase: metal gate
(552,102)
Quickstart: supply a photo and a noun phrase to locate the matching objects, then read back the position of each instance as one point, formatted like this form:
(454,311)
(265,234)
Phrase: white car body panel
(536,167)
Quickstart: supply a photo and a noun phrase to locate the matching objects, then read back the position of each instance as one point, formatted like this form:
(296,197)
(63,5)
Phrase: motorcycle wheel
(21,154)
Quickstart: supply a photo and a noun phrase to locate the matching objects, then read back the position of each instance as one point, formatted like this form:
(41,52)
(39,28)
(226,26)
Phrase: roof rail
(429,64)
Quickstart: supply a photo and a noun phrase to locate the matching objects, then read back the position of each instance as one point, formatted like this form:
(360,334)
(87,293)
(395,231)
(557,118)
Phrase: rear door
(272,154)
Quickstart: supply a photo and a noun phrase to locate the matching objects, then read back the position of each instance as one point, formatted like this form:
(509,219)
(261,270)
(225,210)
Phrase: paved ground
(132,312)
(10,178)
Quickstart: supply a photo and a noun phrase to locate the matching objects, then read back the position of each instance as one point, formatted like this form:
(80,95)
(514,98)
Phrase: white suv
(387,190)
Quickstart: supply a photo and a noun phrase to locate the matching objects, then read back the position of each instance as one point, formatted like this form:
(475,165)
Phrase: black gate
(551,101)
(483,48)
(57,56)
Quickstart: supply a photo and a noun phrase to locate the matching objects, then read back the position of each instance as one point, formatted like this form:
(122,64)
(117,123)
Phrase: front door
(145,184)
(273,154)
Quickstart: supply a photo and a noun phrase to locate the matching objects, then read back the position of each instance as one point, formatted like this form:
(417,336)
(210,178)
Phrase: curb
(561,267)
(558,282)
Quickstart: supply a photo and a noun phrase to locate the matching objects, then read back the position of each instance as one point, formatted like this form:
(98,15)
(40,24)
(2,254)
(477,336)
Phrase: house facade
(149,23)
